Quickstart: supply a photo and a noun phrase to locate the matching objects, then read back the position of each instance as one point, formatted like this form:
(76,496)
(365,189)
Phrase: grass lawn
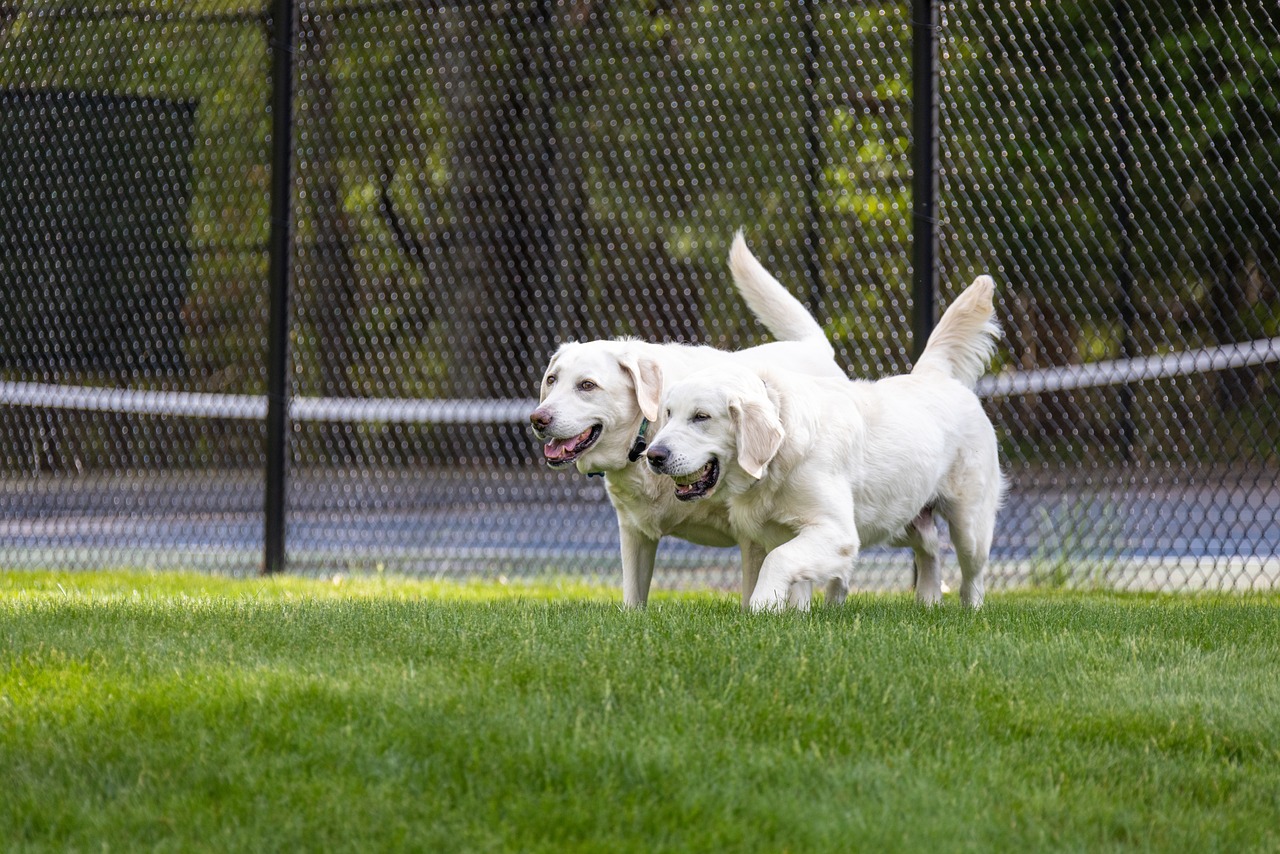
(185,712)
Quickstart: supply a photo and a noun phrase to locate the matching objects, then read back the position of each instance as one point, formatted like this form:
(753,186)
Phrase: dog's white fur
(613,385)
(814,469)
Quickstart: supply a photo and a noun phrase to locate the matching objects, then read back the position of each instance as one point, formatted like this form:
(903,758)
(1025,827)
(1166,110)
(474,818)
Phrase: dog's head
(718,424)
(592,400)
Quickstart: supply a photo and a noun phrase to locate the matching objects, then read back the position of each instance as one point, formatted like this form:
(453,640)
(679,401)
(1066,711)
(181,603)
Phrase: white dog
(815,469)
(599,400)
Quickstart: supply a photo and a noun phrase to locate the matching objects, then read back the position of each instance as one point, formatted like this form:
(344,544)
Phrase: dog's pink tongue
(558,449)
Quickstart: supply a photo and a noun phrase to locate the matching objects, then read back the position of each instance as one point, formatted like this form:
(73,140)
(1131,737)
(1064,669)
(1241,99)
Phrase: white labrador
(599,403)
(814,469)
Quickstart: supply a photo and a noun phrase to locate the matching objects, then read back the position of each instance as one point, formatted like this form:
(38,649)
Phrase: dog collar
(641,443)
(637,447)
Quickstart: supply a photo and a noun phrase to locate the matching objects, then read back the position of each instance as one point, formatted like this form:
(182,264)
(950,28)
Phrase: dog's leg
(837,587)
(922,536)
(752,560)
(972,549)
(800,596)
(836,591)
(638,552)
(819,551)
(972,528)
(773,590)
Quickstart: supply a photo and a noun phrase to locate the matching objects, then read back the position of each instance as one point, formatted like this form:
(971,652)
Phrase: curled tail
(963,342)
(771,303)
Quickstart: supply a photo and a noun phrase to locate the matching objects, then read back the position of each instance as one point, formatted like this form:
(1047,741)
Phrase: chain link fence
(474,183)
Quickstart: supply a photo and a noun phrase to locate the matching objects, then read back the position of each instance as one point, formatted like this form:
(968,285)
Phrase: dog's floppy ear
(760,434)
(646,376)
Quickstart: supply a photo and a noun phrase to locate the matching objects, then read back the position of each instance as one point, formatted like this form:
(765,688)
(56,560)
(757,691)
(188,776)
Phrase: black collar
(641,443)
(637,447)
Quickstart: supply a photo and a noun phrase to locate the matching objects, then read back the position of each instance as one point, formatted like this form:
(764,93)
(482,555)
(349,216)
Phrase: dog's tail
(771,303)
(963,342)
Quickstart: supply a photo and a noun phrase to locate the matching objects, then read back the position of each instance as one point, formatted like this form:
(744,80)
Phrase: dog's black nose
(657,455)
(540,418)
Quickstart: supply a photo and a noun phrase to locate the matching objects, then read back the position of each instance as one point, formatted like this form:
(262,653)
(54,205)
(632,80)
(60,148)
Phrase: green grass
(184,712)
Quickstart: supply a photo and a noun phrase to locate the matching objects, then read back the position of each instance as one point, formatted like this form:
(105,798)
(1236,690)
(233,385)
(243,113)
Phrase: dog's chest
(648,504)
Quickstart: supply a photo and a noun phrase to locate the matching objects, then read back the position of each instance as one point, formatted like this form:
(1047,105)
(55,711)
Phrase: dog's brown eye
(700,416)
(550,381)
(586,385)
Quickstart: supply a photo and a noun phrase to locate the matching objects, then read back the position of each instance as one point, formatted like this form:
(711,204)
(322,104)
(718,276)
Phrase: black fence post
(924,170)
(282,39)
(813,162)
(924,177)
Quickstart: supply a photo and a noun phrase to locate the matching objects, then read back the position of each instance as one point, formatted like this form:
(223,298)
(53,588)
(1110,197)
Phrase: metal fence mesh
(476,182)
(1114,164)
(132,256)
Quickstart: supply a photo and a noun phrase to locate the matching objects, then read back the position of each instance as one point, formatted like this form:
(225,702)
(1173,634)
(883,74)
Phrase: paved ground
(1153,530)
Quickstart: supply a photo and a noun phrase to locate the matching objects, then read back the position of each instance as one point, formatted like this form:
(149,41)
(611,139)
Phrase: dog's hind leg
(973,547)
(972,529)
(922,536)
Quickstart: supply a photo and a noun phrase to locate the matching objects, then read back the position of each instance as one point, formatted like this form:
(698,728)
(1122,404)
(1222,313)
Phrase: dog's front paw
(929,598)
(972,593)
(772,603)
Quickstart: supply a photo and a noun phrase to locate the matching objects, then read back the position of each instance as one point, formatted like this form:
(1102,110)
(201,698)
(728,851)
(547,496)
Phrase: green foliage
(647,132)
(675,125)
(1037,119)
(197,713)
(219,62)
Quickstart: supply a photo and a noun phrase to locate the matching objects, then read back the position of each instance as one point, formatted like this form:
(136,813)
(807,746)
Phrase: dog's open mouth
(699,483)
(561,452)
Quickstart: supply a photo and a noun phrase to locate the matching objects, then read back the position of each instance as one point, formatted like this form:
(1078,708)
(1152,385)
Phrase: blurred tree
(327,286)
(1087,142)
(479,180)
(500,273)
